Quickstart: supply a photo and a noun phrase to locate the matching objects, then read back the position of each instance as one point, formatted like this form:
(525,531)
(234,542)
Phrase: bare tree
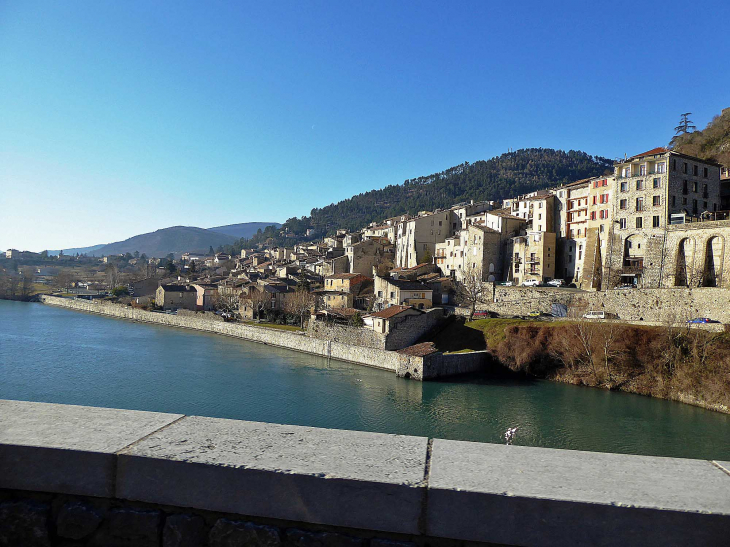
(608,337)
(259,300)
(471,290)
(299,303)
(27,276)
(63,280)
(112,275)
(227,302)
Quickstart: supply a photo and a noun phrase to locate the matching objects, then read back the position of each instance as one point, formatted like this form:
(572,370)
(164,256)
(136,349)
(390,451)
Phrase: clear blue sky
(118,118)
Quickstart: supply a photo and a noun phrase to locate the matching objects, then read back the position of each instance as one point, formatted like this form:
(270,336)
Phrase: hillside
(79,250)
(176,240)
(712,143)
(244,229)
(504,176)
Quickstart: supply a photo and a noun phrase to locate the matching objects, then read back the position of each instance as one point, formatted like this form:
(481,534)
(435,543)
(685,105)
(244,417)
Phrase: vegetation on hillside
(504,176)
(712,143)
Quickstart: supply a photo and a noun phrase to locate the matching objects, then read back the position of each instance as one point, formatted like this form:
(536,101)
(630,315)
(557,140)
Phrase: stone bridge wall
(84,476)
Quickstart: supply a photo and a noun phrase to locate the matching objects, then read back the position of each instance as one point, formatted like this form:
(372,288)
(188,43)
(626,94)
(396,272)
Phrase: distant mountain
(176,240)
(245,229)
(504,176)
(80,250)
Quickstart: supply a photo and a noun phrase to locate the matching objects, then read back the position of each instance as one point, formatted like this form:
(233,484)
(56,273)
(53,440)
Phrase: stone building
(173,297)
(363,256)
(655,190)
(532,257)
(476,247)
(398,292)
(417,237)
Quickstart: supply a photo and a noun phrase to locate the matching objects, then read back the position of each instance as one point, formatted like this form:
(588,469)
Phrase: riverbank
(414,367)
(687,365)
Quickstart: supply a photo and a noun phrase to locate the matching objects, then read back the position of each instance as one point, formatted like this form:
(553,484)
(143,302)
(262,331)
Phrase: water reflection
(55,355)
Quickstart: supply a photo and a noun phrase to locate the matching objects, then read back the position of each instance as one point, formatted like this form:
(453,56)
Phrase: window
(684,167)
(694,186)
(604,198)
(685,187)
(623,204)
(695,170)
(602,228)
(639,184)
(657,183)
(622,223)
(639,222)
(694,206)
(704,172)
(655,221)
(684,201)
(704,205)
(642,170)
(674,165)
(593,215)
(704,191)
(639,204)
(624,186)
(660,167)
(656,201)
(594,200)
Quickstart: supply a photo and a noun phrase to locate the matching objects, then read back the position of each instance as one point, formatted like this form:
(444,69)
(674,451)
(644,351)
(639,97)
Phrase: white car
(530,283)
(556,282)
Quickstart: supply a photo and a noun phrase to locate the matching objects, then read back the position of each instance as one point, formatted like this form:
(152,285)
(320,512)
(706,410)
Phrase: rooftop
(392,311)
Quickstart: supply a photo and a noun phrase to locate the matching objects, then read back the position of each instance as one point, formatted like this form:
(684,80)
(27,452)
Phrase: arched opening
(714,251)
(491,267)
(407,376)
(633,262)
(683,274)
(491,278)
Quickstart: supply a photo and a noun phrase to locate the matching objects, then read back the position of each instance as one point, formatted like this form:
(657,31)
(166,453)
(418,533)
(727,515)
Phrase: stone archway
(633,260)
(714,255)
(684,268)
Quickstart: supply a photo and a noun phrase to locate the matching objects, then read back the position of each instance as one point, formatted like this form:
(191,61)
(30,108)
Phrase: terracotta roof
(392,311)
(419,350)
(652,152)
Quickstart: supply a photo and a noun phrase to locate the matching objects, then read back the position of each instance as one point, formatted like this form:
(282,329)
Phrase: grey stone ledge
(65,448)
(538,496)
(341,478)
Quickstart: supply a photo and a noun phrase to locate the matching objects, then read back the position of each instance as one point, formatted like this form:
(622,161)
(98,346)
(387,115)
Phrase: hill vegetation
(712,143)
(175,240)
(244,229)
(504,176)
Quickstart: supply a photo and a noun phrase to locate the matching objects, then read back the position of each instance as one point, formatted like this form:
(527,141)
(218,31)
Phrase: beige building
(475,247)
(417,238)
(399,292)
(532,257)
(364,255)
(173,297)
(654,190)
(205,296)
(572,225)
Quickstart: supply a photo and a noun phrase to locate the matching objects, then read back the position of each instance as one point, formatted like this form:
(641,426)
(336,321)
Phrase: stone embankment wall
(649,305)
(403,333)
(86,476)
(298,341)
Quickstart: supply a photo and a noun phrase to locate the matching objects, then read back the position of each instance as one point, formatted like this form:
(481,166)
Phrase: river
(56,355)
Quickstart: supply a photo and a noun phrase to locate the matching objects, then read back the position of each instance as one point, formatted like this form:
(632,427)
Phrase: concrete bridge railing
(102,476)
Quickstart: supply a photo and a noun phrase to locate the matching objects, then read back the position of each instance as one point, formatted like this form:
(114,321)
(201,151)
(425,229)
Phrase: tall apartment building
(653,190)
(572,224)
(532,256)
(600,216)
(417,237)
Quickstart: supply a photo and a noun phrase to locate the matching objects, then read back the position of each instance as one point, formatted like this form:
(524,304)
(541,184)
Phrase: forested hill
(505,176)
(712,143)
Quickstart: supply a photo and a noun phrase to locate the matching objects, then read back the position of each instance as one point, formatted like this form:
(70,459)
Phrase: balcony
(532,260)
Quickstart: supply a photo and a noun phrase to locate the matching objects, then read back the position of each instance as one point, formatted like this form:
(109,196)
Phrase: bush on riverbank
(671,362)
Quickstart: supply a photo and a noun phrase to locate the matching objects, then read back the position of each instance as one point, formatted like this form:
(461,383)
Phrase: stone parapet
(166,479)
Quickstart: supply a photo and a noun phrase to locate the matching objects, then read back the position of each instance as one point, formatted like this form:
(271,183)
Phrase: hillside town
(660,220)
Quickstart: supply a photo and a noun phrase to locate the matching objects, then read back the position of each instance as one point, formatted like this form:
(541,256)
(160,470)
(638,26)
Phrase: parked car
(531,283)
(698,320)
(506,284)
(594,315)
(556,282)
(534,314)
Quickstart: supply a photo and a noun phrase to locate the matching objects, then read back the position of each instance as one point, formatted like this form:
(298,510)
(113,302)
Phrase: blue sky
(118,118)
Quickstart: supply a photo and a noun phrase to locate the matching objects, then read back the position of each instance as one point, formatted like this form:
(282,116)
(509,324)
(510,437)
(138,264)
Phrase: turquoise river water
(56,355)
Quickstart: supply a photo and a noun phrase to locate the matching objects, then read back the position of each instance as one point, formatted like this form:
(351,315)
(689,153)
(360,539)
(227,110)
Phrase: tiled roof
(392,311)
(406,285)
(419,350)
(652,152)
(343,276)
(178,288)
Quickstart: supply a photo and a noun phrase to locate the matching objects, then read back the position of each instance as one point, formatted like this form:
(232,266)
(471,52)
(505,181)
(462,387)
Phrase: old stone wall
(207,315)
(651,305)
(356,336)
(148,479)
(408,330)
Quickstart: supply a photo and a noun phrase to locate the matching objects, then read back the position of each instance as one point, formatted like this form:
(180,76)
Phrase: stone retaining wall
(298,341)
(650,305)
(84,476)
